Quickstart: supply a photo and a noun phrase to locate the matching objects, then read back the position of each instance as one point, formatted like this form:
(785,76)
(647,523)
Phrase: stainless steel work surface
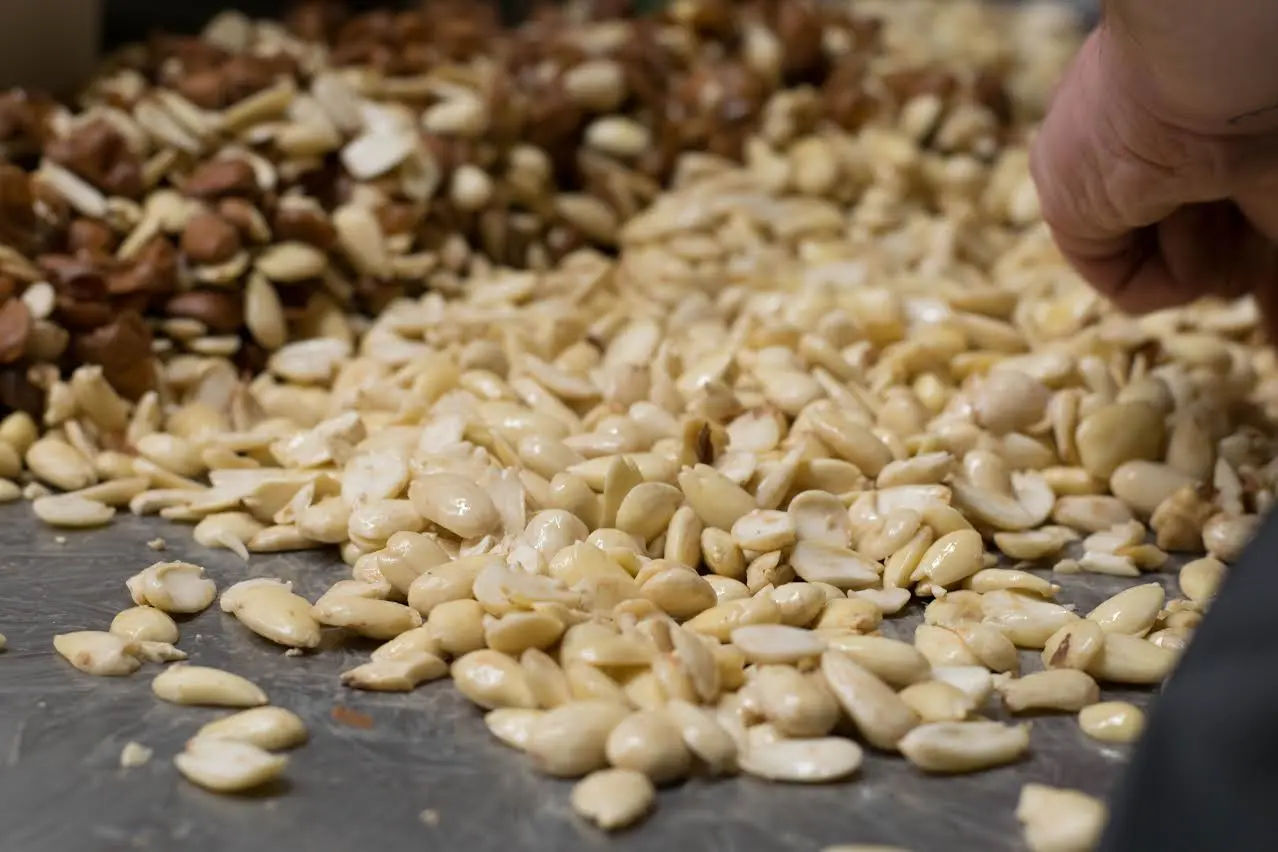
(388,772)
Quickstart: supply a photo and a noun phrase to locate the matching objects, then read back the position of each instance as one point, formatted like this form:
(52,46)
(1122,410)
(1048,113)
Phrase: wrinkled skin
(1157,165)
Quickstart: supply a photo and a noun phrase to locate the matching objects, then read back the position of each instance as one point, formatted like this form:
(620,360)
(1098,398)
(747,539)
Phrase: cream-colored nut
(720,620)
(973,681)
(160,652)
(1026,619)
(879,713)
(179,587)
(71,511)
(777,643)
(764,530)
(650,743)
(1200,578)
(1143,485)
(571,740)
(811,761)
(493,680)
(99,653)
(516,632)
(230,530)
(1132,611)
(459,627)
(271,610)
(704,736)
(19,431)
(990,646)
(512,725)
(144,624)
(270,728)
(372,524)
(937,701)
(202,685)
(1074,646)
(548,682)
(1010,401)
(838,566)
(1119,433)
(172,453)
(134,754)
(1130,659)
(1054,689)
(679,593)
(376,619)
(448,582)
(403,673)
(406,556)
(1225,536)
(855,614)
(957,747)
(943,647)
(722,555)
(59,464)
(290,262)
(717,500)
(228,766)
(618,136)
(646,510)
(952,558)
(1112,721)
(897,663)
(455,503)
(419,639)
(613,798)
(797,704)
(1058,820)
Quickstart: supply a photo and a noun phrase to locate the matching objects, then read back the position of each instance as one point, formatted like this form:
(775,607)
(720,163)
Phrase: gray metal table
(388,772)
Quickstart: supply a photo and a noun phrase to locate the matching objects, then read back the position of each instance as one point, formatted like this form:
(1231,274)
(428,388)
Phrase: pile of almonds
(221,195)
(655,509)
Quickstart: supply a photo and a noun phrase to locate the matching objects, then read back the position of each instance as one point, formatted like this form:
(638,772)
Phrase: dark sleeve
(1205,775)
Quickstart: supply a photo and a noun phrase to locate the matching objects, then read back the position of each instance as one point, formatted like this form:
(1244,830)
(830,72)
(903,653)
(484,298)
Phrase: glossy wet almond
(144,623)
(571,740)
(228,766)
(402,673)
(272,611)
(613,799)
(178,587)
(376,619)
(649,742)
(492,680)
(1112,721)
(1059,820)
(270,728)
(1054,689)
(960,747)
(205,686)
(454,503)
(1131,611)
(98,653)
(879,713)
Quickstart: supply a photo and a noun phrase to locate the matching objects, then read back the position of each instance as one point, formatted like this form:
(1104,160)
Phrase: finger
(1094,194)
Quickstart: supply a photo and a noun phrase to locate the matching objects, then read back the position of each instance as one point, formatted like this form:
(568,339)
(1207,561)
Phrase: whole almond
(208,238)
(219,178)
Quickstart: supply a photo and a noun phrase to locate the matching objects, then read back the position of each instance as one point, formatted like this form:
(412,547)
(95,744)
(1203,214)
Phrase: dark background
(132,20)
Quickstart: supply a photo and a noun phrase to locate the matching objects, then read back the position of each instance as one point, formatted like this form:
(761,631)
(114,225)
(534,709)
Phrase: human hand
(1157,166)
